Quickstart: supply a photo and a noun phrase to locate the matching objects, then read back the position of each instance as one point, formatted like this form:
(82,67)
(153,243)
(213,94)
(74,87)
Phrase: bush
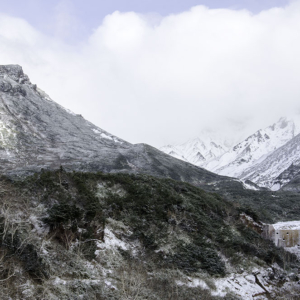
(60,214)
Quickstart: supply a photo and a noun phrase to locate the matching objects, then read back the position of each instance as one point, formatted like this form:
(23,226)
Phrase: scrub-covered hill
(119,236)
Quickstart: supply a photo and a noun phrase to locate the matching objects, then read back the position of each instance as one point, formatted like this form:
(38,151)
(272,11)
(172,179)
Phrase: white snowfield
(261,158)
(196,151)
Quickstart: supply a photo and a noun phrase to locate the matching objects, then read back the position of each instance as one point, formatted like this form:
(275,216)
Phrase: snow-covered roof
(291,225)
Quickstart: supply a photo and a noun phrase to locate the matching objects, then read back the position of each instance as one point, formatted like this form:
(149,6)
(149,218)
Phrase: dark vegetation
(181,228)
(153,208)
(270,207)
(12,245)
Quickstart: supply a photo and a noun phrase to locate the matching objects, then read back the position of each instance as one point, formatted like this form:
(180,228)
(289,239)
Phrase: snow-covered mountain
(246,159)
(199,151)
(254,149)
(288,180)
(279,168)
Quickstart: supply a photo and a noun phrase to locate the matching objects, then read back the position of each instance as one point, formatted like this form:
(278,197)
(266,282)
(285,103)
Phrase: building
(283,234)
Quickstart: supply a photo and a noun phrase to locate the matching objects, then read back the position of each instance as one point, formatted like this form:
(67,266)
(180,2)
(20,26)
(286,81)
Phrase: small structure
(283,234)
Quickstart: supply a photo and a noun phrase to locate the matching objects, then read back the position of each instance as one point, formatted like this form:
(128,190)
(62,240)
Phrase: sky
(161,72)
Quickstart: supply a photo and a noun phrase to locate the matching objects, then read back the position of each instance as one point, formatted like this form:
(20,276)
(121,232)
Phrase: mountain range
(260,158)
(37,133)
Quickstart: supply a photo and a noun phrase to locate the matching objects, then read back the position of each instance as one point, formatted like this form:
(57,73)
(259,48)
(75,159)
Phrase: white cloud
(163,82)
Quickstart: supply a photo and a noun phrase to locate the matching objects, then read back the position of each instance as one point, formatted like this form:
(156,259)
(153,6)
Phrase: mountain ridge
(242,159)
(37,133)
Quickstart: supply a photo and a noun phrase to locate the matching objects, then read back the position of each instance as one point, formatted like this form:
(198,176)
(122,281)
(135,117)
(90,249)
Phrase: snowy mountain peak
(196,151)
(240,160)
(253,149)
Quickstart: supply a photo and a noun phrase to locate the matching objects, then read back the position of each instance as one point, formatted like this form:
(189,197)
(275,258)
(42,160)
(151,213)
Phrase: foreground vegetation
(54,227)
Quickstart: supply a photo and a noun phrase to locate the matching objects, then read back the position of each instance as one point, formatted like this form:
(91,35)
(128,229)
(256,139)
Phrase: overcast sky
(160,72)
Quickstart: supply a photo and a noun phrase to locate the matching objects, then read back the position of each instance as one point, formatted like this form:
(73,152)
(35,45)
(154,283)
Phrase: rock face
(36,133)
(279,168)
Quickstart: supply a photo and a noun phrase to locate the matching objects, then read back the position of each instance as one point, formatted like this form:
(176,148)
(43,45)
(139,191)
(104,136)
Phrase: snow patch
(243,286)
(96,131)
(249,186)
(194,282)
(110,242)
(275,187)
(58,280)
(105,136)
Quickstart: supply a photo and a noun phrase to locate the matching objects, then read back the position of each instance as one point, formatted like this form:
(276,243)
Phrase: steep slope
(269,172)
(246,159)
(254,149)
(36,132)
(289,179)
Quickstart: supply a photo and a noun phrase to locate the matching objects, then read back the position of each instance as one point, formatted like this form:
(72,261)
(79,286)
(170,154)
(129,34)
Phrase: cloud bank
(164,80)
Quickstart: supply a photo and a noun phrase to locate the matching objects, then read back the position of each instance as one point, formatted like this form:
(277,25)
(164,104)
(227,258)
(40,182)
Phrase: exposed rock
(5,86)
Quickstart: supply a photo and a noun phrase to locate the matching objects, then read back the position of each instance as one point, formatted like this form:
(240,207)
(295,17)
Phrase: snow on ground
(110,242)
(246,158)
(58,280)
(194,282)
(102,134)
(246,185)
(249,186)
(244,285)
(96,131)
(106,136)
(275,187)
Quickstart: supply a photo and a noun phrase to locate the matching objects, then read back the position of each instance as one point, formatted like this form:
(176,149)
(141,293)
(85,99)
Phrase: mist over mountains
(261,157)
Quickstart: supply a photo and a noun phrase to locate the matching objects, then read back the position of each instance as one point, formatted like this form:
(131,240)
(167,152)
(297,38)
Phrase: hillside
(37,133)
(120,236)
(273,170)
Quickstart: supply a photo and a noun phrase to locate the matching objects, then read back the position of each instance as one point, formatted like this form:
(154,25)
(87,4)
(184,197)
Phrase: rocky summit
(37,133)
